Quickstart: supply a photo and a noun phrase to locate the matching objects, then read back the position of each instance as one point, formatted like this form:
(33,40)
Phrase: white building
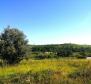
(88,58)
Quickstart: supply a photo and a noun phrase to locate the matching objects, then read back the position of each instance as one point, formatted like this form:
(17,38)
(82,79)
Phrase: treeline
(64,50)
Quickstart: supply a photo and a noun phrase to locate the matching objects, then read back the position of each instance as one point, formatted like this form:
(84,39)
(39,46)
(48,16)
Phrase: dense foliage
(65,50)
(12,45)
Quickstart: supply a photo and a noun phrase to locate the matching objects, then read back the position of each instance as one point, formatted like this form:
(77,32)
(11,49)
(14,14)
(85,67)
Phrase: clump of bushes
(44,55)
(82,74)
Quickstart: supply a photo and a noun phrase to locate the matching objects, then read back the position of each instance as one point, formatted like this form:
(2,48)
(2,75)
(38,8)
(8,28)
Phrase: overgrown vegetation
(21,63)
(52,71)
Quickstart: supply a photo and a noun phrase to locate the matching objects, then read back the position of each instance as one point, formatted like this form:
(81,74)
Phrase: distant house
(88,58)
(48,52)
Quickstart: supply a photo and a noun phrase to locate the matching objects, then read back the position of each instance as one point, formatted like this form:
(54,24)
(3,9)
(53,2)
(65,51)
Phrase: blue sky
(49,21)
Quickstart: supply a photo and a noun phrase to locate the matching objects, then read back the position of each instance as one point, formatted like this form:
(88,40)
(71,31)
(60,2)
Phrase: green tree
(65,50)
(13,45)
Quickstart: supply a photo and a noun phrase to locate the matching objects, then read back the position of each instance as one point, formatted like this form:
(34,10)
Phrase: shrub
(13,45)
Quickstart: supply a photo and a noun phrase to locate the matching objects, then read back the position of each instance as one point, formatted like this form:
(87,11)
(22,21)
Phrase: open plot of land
(48,71)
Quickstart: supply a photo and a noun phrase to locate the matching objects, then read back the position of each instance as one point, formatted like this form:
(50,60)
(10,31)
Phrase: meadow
(47,71)
(21,63)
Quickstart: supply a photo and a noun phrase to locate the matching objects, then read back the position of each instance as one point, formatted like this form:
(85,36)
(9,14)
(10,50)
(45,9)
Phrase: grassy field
(48,71)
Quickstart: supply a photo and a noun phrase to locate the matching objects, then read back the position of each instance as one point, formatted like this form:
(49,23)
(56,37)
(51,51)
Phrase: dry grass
(48,71)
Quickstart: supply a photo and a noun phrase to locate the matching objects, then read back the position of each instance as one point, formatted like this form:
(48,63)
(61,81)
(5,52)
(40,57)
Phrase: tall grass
(47,71)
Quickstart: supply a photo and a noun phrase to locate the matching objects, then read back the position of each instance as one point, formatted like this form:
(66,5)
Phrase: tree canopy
(13,45)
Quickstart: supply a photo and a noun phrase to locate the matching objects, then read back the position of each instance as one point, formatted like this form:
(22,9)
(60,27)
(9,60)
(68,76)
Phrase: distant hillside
(64,50)
(54,47)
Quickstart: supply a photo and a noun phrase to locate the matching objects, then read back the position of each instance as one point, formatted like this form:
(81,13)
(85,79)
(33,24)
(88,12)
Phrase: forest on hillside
(62,50)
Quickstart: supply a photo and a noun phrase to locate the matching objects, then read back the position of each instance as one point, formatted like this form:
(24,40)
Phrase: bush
(44,55)
(40,56)
(13,45)
(84,74)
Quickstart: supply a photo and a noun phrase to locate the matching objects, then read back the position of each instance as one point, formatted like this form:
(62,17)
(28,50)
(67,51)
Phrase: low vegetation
(52,71)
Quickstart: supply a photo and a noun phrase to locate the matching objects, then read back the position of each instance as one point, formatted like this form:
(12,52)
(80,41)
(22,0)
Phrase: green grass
(47,71)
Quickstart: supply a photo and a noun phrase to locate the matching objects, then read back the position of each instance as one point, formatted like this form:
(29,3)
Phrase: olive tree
(13,45)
